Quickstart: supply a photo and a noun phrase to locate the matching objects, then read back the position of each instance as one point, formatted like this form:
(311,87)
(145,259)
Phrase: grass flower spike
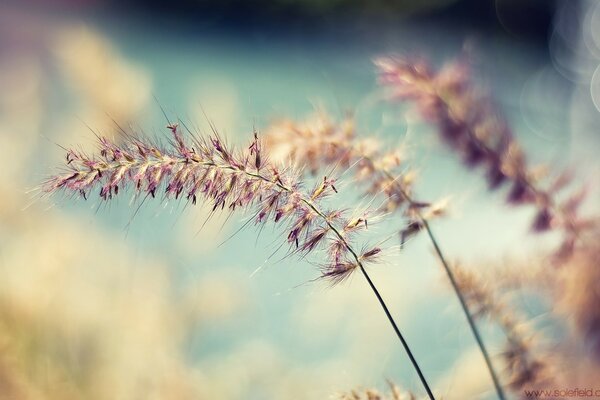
(525,369)
(209,170)
(469,123)
(320,143)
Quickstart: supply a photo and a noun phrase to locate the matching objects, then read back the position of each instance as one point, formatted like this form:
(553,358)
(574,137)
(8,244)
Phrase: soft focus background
(98,304)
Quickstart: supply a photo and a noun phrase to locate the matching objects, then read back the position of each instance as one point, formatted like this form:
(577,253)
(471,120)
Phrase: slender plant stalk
(398,333)
(463,303)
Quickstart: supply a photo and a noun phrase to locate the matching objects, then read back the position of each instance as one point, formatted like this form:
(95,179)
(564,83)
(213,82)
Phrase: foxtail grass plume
(469,123)
(210,170)
(320,143)
(526,368)
(578,295)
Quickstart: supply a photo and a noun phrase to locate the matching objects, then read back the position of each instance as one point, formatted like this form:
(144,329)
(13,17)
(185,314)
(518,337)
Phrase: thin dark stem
(398,333)
(463,303)
(465,308)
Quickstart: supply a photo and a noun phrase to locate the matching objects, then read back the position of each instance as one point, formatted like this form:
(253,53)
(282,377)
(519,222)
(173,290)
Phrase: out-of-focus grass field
(96,303)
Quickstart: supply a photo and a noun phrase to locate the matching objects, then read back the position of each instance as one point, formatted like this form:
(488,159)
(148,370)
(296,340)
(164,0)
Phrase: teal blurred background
(98,303)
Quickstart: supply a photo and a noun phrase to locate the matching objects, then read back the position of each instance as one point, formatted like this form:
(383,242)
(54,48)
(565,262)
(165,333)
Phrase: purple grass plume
(321,143)
(209,170)
(470,124)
